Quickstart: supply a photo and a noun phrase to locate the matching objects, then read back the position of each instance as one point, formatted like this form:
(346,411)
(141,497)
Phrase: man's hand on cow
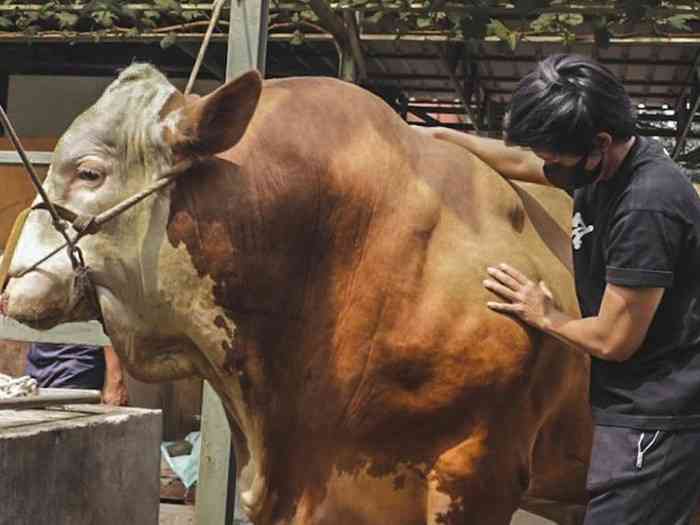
(531,302)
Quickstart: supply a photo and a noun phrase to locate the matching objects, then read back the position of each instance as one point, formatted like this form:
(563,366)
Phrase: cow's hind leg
(473,485)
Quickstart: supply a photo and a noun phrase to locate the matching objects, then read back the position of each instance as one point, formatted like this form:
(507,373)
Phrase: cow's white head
(140,127)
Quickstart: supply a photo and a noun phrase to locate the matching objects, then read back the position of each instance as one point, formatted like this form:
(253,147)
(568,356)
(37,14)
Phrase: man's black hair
(564,103)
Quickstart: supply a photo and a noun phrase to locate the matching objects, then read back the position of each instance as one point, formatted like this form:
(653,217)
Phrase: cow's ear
(216,122)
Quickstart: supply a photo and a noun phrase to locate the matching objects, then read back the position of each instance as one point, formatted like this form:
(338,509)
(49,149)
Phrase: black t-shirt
(641,228)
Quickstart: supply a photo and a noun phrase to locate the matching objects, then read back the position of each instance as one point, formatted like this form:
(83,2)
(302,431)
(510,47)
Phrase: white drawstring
(640,451)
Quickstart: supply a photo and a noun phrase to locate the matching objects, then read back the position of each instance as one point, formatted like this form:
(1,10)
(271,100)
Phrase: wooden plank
(51,397)
(35,157)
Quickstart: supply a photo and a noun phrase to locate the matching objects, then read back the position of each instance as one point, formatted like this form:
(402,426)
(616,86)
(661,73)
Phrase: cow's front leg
(475,483)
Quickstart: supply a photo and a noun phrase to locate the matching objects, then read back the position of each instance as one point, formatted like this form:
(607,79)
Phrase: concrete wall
(81,465)
(44,106)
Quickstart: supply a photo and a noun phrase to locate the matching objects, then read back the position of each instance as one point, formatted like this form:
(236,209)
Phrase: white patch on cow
(191,299)
(171,120)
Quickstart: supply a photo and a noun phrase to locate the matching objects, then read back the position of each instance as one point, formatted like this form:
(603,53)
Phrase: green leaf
(571,19)
(424,21)
(170,5)
(67,20)
(680,22)
(104,18)
(26,20)
(168,41)
(499,29)
(310,15)
(545,23)
(513,41)
(6,23)
(47,10)
(297,39)
(375,18)
(569,38)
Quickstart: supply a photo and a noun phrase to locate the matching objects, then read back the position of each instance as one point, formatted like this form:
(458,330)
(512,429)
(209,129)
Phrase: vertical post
(247,37)
(216,498)
(347,66)
(4,94)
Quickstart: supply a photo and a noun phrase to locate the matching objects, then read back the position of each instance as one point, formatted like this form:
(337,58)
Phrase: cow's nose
(4,299)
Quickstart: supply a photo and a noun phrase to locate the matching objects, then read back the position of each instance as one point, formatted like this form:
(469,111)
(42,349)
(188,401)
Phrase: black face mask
(574,177)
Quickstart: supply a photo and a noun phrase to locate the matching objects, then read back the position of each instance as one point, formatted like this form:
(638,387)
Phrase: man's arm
(114,391)
(512,163)
(615,334)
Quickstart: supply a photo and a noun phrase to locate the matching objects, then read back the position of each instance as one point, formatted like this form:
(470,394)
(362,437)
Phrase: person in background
(79,366)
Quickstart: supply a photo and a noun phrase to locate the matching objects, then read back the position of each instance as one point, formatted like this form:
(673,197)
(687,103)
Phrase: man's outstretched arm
(511,162)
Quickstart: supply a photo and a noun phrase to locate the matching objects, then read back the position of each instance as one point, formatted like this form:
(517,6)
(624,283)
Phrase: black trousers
(643,477)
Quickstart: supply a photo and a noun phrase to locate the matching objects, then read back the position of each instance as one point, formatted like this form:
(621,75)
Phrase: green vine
(97,17)
(509,21)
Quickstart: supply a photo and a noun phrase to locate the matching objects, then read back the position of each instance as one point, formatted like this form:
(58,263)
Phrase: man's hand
(615,334)
(531,302)
(115,393)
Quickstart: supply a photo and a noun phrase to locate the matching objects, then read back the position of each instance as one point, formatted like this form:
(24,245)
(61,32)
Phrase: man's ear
(216,122)
(603,140)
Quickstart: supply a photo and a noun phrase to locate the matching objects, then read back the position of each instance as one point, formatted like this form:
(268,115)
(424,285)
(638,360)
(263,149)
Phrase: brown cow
(321,266)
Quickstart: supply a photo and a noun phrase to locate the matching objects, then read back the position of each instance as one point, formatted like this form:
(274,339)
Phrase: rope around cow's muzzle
(82,286)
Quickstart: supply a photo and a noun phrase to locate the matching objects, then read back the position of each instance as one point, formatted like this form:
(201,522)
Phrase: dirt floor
(176,514)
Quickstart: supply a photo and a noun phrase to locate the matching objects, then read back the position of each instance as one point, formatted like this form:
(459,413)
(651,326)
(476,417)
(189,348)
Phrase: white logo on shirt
(579,230)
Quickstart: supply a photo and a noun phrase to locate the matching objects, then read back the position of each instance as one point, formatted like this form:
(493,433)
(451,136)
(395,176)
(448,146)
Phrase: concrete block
(80,465)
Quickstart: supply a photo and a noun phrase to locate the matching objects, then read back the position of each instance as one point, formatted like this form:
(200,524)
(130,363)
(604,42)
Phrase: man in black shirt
(636,247)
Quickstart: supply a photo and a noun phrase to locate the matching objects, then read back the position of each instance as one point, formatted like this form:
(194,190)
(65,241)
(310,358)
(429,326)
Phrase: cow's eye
(88,175)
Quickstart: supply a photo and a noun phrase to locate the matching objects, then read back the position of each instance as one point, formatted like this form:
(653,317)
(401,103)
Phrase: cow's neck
(267,245)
